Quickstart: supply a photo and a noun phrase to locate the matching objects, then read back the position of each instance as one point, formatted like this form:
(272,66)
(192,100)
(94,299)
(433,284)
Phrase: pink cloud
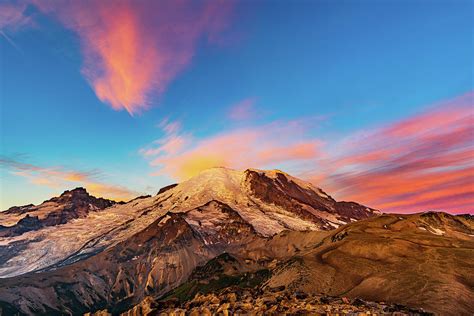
(240,148)
(170,127)
(133,49)
(424,162)
(170,144)
(62,178)
(243,110)
(417,164)
(13,17)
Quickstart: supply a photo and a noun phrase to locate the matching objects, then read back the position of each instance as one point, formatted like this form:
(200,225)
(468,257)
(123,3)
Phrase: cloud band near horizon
(421,163)
(58,177)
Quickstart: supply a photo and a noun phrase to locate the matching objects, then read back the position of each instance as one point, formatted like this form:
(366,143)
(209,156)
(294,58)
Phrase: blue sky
(347,65)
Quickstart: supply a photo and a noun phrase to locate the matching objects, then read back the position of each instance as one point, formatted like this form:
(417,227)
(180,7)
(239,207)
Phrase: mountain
(415,264)
(269,201)
(72,204)
(226,231)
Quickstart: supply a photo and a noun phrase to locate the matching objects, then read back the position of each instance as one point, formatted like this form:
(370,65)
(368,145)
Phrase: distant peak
(268,172)
(222,169)
(80,195)
(76,191)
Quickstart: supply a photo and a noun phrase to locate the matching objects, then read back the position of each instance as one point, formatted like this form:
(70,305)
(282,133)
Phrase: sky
(370,100)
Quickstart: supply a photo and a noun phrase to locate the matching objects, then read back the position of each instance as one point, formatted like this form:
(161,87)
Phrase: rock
(246,306)
(231,297)
(301,295)
(358,302)
(223,307)
(205,311)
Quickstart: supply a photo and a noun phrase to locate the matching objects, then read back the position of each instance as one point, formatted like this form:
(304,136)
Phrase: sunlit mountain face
(236,157)
(240,241)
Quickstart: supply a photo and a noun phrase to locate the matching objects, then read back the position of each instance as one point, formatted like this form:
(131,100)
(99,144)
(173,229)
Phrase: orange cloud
(261,147)
(135,48)
(61,178)
(425,162)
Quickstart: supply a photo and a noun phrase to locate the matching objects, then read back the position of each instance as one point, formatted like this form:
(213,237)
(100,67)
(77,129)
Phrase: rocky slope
(287,203)
(410,264)
(421,260)
(244,301)
(72,204)
(260,230)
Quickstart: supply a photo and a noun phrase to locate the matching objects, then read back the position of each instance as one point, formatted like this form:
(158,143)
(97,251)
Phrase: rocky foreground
(236,301)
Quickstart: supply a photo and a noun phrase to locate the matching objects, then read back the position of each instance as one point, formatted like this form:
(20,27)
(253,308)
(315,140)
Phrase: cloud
(170,144)
(169,127)
(62,178)
(425,162)
(181,156)
(13,17)
(133,49)
(243,110)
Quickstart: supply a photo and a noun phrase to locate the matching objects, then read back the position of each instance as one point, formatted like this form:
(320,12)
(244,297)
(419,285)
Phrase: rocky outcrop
(166,188)
(244,301)
(18,209)
(24,225)
(69,205)
(303,199)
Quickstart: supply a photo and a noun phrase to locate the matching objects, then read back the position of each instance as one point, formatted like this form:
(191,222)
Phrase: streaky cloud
(425,162)
(58,177)
(134,49)
(181,156)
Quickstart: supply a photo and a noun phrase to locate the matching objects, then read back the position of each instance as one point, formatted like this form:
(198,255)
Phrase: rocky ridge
(238,301)
(87,228)
(69,205)
(226,229)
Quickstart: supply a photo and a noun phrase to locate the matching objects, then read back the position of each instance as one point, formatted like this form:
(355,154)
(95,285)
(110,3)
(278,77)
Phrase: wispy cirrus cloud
(134,49)
(62,178)
(171,143)
(243,110)
(13,17)
(181,156)
(425,162)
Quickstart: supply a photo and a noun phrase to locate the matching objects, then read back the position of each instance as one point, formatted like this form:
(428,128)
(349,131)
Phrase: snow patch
(437,231)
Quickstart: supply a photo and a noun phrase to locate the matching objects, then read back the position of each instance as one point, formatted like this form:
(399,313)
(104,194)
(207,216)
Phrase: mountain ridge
(118,257)
(71,204)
